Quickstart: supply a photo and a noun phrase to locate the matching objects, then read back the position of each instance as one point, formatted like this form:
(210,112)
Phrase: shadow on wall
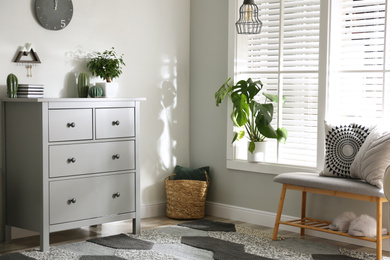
(167,145)
(78,61)
(167,126)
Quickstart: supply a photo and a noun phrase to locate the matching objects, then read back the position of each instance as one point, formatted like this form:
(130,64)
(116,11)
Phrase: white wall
(154,38)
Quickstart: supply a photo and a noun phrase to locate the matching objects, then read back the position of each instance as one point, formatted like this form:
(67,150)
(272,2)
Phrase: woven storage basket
(186,198)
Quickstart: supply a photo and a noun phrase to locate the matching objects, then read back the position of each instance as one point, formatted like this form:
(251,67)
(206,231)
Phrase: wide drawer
(115,122)
(76,159)
(70,124)
(85,198)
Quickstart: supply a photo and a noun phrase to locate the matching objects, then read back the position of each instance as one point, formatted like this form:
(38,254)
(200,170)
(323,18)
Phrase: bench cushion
(313,180)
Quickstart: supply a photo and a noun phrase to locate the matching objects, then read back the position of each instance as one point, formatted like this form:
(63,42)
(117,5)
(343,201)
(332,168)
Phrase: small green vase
(95,92)
(83,85)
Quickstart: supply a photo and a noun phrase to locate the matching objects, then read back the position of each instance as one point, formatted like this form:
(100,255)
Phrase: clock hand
(55,4)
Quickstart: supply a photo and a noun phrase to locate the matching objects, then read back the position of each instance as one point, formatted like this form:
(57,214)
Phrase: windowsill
(267,168)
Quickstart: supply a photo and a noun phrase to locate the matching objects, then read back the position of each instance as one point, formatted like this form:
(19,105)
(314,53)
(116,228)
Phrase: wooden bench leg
(303,211)
(279,213)
(379,208)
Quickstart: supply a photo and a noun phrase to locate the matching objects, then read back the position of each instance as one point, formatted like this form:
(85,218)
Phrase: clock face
(54,14)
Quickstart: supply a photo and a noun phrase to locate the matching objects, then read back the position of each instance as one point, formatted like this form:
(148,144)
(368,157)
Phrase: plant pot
(110,89)
(258,154)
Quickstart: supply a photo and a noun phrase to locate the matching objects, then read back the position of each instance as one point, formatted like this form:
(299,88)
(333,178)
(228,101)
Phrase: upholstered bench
(339,187)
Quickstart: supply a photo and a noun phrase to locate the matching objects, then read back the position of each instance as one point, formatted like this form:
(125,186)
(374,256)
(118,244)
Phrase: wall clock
(54,14)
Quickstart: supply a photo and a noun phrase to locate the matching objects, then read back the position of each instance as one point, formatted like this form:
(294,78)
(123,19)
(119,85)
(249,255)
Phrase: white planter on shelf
(110,89)
(258,154)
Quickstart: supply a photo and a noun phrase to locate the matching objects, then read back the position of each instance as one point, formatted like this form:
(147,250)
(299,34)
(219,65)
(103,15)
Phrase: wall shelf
(31,53)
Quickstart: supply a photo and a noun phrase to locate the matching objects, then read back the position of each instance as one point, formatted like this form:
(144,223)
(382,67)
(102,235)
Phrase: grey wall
(209,69)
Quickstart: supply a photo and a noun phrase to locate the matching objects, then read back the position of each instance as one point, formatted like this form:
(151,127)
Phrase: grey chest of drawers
(70,163)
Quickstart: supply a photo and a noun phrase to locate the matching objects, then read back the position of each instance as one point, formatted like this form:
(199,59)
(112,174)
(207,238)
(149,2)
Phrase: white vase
(110,89)
(258,154)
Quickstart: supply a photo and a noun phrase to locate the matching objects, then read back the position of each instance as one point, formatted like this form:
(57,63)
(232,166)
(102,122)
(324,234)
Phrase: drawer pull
(71,124)
(116,195)
(72,200)
(72,160)
(116,122)
(116,156)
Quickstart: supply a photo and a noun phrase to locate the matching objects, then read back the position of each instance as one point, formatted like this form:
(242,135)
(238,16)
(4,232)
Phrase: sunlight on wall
(168,88)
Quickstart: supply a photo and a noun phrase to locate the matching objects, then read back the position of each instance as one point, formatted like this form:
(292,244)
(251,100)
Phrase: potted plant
(249,115)
(107,66)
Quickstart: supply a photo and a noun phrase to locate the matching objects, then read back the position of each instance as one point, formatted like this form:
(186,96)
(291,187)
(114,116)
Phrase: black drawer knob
(116,156)
(72,160)
(73,124)
(71,201)
(116,122)
(116,195)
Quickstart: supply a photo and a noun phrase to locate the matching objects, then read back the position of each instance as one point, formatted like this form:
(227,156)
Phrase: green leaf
(233,117)
(248,88)
(264,114)
(251,147)
(282,135)
(274,98)
(240,88)
(238,135)
(267,130)
(240,109)
(254,88)
(224,90)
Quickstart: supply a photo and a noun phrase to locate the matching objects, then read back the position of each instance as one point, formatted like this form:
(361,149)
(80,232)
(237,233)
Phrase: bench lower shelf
(322,225)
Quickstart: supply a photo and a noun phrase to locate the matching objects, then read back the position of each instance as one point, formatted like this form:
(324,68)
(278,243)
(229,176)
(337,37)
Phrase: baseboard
(252,216)
(153,210)
(267,219)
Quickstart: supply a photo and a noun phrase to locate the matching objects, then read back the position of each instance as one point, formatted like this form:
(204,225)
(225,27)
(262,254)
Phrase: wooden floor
(81,234)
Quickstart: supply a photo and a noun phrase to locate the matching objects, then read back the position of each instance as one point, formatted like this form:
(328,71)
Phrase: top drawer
(115,122)
(70,124)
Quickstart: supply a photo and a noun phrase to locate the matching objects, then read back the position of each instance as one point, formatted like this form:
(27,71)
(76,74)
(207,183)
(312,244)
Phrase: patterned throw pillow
(342,143)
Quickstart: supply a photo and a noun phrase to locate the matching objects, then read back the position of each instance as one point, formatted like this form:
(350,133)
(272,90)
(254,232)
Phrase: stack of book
(30,91)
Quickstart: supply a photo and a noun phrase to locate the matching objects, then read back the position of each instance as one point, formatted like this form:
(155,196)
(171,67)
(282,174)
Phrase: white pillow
(342,143)
(373,158)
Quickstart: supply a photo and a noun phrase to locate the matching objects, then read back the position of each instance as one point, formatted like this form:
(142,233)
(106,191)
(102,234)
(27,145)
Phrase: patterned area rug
(195,240)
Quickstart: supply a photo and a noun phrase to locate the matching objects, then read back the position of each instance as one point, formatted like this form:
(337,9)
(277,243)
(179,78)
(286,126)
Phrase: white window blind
(359,79)
(284,56)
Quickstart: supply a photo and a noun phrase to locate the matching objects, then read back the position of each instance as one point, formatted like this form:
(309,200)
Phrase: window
(286,57)
(359,78)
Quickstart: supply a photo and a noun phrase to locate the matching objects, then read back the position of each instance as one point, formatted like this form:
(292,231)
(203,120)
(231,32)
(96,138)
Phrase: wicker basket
(186,198)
